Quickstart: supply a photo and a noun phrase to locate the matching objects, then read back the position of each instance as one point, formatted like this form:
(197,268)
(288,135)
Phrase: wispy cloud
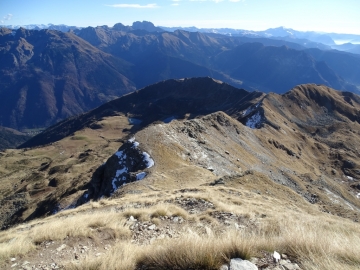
(133,6)
(7,17)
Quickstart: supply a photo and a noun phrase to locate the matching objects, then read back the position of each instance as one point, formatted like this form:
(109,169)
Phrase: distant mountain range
(309,39)
(49,75)
(59,27)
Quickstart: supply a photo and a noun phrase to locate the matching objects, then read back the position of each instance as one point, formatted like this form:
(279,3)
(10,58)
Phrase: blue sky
(305,15)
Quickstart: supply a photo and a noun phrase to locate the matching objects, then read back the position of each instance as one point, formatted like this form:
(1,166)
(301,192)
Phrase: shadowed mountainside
(186,98)
(277,69)
(10,138)
(50,75)
(274,66)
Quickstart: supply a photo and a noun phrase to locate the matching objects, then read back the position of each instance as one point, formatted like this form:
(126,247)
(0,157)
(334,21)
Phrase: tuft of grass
(194,252)
(160,212)
(139,214)
(96,224)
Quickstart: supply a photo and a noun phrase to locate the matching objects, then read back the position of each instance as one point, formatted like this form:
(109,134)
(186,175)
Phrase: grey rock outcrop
(239,264)
(127,165)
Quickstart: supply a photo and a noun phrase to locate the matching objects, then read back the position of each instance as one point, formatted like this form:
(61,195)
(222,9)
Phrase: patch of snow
(140,176)
(350,178)
(134,121)
(114,186)
(135,144)
(254,120)
(358,196)
(120,172)
(148,160)
(250,109)
(119,154)
(119,176)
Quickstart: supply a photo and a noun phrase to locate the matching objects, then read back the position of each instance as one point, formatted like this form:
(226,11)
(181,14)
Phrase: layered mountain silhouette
(49,75)
(278,69)
(260,63)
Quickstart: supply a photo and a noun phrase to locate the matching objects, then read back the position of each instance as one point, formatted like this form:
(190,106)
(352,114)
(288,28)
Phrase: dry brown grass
(193,251)
(122,256)
(311,238)
(314,243)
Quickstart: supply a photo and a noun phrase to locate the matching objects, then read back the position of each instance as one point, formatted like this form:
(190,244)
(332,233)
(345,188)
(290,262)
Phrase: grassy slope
(256,196)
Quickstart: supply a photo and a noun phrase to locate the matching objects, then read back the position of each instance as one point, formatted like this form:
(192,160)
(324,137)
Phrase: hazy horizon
(329,16)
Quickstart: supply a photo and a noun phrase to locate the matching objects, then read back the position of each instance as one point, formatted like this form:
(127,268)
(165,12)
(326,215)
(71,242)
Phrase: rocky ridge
(232,162)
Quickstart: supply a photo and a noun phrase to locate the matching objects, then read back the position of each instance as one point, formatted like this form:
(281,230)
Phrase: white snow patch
(358,196)
(350,178)
(148,160)
(122,158)
(254,120)
(120,172)
(134,121)
(250,109)
(140,176)
(136,144)
(116,178)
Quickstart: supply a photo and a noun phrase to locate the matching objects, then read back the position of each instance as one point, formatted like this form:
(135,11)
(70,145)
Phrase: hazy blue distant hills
(309,39)
(347,65)
(277,67)
(59,27)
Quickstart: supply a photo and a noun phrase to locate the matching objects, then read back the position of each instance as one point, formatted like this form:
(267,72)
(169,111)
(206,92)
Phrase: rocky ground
(58,254)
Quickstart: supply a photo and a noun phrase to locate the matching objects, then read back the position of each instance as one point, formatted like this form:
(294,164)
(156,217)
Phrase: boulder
(240,264)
